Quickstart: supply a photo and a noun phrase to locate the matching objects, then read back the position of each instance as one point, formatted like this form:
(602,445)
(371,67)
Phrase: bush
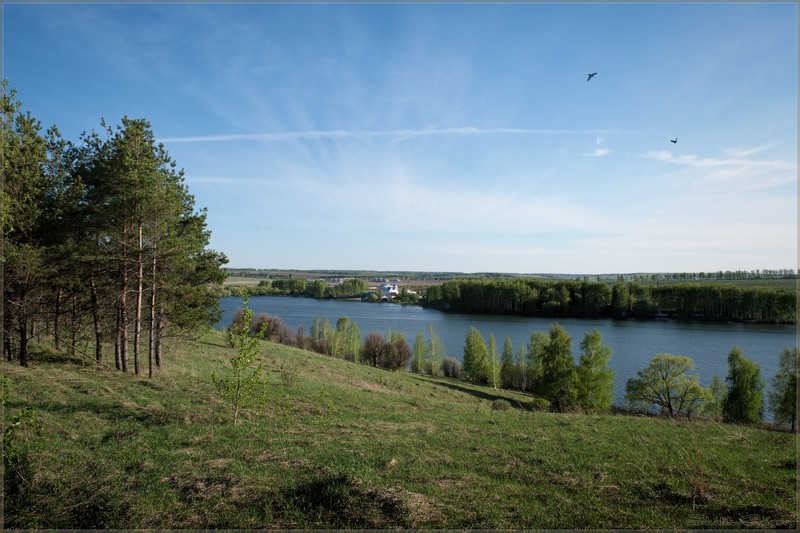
(396,354)
(451,368)
(372,351)
(500,405)
(539,404)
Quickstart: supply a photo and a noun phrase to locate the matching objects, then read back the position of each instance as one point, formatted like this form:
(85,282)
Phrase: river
(633,342)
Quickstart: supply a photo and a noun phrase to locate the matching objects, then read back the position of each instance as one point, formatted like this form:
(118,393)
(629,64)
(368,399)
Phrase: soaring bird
(592,75)
(674,141)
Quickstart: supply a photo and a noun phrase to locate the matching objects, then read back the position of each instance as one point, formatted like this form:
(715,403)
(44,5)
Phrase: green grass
(348,446)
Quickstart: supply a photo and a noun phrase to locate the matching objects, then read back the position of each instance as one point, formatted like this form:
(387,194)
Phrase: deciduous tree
(664,383)
(744,401)
(783,396)
(595,385)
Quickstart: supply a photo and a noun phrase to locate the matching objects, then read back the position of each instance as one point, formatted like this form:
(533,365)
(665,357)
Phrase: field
(343,445)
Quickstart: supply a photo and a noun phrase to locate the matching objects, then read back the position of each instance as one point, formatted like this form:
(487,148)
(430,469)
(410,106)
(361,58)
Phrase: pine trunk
(122,324)
(137,329)
(159,329)
(98,346)
(152,344)
(75,326)
(22,325)
(56,339)
(7,327)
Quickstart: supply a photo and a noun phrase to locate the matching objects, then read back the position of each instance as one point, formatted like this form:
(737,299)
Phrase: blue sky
(447,137)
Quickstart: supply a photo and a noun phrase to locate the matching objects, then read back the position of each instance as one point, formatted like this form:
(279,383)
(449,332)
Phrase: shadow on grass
(481,395)
(338,501)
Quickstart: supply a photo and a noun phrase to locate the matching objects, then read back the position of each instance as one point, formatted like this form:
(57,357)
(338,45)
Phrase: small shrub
(451,368)
(396,354)
(540,404)
(243,387)
(500,405)
(372,350)
(290,374)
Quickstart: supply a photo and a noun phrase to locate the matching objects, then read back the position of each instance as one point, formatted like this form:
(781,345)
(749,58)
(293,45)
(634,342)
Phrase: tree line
(545,367)
(572,298)
(318,288)
(344,341)
(102,241)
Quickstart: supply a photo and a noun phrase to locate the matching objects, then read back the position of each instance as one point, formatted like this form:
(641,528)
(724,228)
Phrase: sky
(449,137)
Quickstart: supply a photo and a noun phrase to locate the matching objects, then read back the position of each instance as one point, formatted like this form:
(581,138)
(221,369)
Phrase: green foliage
(420,354)
(558,377)
(435,353)
(745,398)
(572,298)
(15,458)
(500,405)
(408,453)
(595,385)
(321,335)
(509,377)
(345,342)
(713,398)
(494,363)
(244,387)
(665,384)
(476,364)
(540,404)
(783,396)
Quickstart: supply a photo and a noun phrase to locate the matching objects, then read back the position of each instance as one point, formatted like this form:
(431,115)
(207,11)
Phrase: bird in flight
(592,75)
(674,141)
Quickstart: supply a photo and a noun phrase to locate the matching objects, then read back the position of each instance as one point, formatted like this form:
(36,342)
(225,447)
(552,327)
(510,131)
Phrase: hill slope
(345,445)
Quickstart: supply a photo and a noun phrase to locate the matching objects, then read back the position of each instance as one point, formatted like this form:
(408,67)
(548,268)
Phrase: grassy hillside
(345,445)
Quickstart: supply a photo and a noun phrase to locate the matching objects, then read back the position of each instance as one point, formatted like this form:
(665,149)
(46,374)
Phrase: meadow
(343,445)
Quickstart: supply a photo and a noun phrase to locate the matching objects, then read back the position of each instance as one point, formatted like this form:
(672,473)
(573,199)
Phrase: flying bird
(592,75)
(674,141)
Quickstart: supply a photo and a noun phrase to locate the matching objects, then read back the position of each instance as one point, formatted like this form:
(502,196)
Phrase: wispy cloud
(705,162)
(597,152)
(739,152)
(732,168)
(398,133)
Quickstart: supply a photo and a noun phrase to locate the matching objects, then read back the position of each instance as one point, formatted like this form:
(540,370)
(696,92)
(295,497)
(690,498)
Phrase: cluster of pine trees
(569,298)
(102,242)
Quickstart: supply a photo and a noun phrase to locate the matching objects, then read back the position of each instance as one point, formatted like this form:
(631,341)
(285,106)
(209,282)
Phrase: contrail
(366,134)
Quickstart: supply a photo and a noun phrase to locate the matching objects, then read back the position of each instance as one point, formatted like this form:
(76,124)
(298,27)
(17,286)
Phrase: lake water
(633,343)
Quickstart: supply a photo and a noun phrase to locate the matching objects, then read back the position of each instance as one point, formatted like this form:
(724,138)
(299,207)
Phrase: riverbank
(634,342)
(349,446)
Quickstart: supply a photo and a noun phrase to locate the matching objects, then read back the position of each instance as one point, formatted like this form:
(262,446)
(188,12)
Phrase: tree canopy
(102,237)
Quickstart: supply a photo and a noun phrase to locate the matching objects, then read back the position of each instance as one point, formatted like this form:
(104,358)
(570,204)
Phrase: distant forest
(622,299)
(754,295)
